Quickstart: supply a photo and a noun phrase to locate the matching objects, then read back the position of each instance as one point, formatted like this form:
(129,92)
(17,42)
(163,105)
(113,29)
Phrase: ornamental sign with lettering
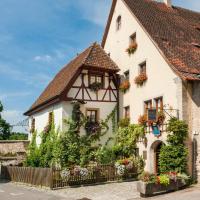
(152,114)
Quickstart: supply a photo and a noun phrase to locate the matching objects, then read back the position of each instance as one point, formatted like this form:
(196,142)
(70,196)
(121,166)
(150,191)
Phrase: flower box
(124,86)
(95,87)
(152,189)
(132,48)
(140,79)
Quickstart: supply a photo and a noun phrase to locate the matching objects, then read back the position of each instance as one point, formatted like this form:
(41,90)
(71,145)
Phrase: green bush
(173,157)
(105,155)
(124,122)
(18,136)
(127,138)
(164,179)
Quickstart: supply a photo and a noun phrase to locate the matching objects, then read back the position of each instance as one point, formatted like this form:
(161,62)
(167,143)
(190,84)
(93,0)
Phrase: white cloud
(94,11)
(30,79)
(13,117)
(4,96)
(44,58)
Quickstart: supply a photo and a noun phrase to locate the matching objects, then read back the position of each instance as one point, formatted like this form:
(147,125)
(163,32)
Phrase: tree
(5,128)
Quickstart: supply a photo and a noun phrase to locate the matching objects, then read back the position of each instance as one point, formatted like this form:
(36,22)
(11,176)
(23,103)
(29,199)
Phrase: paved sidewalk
(112,191)
(192,193)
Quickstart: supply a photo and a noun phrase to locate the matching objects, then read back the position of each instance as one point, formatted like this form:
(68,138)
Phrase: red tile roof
(174,30)
(93,57)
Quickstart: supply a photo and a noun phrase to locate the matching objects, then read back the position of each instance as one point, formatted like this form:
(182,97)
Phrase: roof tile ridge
(90,51)
(186,9)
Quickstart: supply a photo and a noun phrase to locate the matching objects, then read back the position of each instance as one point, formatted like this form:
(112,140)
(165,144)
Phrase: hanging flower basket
(124,86)
(95,87)
(161,118)
(131,49)
(47,129)
(92,127)
(142,120)
(140,79)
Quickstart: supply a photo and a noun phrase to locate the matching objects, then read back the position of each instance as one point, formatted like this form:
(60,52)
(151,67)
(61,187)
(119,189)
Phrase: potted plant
(141,78)
(92,127)
(124,86)
(161,117)
(151,184)
(95,87)
(142,120)
(132,48)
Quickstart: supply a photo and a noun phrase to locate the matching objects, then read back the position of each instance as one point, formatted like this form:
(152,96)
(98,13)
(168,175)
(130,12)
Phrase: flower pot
(152,189)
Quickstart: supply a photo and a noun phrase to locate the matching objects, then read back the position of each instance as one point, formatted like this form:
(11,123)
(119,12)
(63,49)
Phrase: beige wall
(162,81)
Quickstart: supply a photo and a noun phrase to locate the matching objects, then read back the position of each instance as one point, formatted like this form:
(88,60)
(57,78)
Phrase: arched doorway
(155,151)
(156,157)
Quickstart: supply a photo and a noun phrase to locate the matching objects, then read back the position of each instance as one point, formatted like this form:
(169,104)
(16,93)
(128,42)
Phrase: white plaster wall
(161,79)
(41,119)
(104,110)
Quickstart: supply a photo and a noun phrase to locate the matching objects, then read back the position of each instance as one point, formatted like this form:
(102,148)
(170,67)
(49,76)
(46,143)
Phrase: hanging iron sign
(152,114)
(156,131)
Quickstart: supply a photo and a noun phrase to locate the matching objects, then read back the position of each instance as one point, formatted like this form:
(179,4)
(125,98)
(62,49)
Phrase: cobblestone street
(113,191)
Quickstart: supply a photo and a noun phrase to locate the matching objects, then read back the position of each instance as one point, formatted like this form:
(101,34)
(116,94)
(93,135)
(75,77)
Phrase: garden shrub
(127,138)
(33,156)
(105,155)
(173,157)
(124,122)
(164,179)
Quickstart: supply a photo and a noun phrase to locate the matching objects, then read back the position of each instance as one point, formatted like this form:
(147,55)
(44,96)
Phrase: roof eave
(108,23)
(42,106)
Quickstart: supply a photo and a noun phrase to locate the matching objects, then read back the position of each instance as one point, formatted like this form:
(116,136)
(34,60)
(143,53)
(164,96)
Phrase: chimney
(168,3)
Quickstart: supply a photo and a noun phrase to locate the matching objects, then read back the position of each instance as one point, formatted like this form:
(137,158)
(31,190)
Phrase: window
(127,112)
(32,125)
(126,74)
(159,103)
(147,105)
(92,114)
(96,78)
(50,118)
(143,68)
(133,39)
(118,22)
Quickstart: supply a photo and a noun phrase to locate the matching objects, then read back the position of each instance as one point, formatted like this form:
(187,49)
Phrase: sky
(38,37)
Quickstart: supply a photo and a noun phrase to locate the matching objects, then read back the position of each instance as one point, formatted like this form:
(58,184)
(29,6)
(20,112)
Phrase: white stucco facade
(162,81)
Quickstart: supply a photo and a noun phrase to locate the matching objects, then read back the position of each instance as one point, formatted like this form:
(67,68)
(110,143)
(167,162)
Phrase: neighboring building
(166,54)
(71,84)
(163,68)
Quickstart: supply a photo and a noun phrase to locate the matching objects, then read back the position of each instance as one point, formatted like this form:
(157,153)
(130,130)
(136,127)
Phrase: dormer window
(118,22)
(96,81)
(196,45)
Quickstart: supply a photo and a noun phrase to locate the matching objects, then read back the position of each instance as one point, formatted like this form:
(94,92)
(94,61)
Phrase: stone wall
(191,114)
(13,152)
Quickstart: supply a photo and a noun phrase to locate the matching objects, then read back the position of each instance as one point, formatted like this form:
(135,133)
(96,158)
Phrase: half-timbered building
(90,79)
